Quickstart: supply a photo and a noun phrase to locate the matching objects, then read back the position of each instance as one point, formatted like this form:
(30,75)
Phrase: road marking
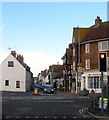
(7,117)
(63,117)
(55,117)
(36,117)
(27,117)
(74,117)
(17,117)
(55,101)
(45,117)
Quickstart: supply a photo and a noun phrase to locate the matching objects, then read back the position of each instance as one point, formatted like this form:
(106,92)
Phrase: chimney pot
(98,21)
(13,53)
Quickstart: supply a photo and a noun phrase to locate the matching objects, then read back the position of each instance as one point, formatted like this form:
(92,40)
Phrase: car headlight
(44,89)
(52,89)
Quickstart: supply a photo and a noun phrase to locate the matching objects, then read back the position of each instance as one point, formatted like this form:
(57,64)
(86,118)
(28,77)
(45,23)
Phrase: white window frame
(94,80)
(6,81)
(87,63)
(104,45)
(74,65)
(73,39)
(108,62)
(87,48)
(17,84)
(10,63)
(73,51)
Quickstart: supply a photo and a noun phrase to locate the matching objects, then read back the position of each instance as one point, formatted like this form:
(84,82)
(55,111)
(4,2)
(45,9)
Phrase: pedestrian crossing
(36,117)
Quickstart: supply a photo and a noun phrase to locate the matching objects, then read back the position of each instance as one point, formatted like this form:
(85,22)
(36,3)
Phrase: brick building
(86,53)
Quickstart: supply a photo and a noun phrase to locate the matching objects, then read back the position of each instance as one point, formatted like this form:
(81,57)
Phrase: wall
(13,74)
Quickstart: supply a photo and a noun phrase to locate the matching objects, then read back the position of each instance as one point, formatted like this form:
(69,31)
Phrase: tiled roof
(57,71)
(97,32)
(79,32)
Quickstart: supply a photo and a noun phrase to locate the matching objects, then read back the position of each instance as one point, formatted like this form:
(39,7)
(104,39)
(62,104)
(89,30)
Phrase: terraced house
(86,56)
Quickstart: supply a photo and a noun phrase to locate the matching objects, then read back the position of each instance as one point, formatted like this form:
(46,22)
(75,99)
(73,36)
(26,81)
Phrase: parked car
(48,89)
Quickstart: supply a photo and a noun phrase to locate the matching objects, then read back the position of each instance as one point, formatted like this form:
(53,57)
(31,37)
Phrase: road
(20,105)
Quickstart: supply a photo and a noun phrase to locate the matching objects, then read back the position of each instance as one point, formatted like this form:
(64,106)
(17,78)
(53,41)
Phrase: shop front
(91,82)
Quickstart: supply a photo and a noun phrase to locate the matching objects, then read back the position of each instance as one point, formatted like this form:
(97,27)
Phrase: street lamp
(79,63)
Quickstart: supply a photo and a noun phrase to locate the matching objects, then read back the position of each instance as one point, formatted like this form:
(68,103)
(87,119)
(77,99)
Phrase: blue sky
(41,31)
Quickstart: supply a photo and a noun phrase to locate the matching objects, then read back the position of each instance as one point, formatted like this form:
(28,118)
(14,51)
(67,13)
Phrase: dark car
(48,89)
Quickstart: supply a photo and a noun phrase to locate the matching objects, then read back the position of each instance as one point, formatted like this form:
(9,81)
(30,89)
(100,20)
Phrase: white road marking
(74,117)
(36,117)
(27,117)
(17,117)
(55,117)
(7,117)
(63,117)
(56,101)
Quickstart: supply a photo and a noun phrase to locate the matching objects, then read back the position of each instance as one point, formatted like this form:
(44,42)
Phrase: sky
(41,31)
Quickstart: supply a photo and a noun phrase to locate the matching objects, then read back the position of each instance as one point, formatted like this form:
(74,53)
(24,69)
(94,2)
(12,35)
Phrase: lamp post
(79,63)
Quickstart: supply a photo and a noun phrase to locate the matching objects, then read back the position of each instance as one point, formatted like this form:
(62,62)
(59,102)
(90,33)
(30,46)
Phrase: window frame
(87,48)
(87,64)
(74,65)
(104,45)
(10,63)
(17,84)
(73,51)
(6,82)
(94,82)
(108,62)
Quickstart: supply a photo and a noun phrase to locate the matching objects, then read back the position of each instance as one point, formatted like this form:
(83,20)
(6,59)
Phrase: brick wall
(92,55)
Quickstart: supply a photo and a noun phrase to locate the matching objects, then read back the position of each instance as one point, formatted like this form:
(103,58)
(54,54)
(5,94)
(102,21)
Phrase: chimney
(13,53)
(20,58)
(98,21)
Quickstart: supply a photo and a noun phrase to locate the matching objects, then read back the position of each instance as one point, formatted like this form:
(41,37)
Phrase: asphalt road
(28,105)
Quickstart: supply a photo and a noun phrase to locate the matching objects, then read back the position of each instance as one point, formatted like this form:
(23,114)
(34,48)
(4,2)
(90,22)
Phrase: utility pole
(79,63)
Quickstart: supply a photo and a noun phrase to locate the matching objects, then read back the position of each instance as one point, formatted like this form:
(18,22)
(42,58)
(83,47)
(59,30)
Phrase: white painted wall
(13,74)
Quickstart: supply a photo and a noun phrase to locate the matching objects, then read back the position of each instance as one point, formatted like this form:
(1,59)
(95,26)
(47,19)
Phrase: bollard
(35,91)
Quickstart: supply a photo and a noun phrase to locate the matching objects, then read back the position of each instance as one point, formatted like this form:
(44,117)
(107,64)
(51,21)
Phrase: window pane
(87,49)
(90,82)
(88,64)
(108,62)
(6,82)
(17,84)
(100,46)
(10,64)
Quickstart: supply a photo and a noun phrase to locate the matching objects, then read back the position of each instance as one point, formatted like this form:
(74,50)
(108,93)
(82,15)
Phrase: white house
(15,75)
